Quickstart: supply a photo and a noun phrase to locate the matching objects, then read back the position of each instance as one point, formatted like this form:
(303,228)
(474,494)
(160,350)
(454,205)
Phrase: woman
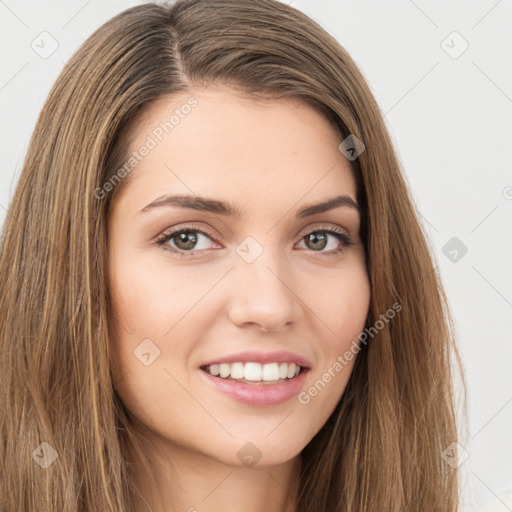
(216,290)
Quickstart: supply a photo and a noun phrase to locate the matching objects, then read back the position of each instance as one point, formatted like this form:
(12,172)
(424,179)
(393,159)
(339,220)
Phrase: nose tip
(261,296)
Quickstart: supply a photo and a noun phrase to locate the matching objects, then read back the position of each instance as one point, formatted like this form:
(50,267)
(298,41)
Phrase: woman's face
(247,273)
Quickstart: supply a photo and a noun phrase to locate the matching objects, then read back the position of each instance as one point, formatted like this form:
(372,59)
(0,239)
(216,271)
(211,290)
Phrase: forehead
(214,142)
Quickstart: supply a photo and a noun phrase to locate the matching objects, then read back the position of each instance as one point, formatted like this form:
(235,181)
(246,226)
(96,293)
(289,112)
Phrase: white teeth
(237,371)
(225,369)
(291,370)
(271,371)
(252,371)
(255,371)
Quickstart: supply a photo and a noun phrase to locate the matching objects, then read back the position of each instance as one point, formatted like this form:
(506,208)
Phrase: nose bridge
(262,291)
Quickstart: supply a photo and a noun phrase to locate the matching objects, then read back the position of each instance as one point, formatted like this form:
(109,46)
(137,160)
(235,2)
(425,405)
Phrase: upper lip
(262,358)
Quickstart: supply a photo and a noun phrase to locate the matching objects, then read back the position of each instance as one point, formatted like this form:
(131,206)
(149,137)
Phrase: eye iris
(182,237)
(314,237)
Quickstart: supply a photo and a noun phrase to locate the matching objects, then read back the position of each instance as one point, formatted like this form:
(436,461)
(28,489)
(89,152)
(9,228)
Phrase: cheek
(341,304)
(150,306)
(136,307)
(140,355)
(145,299)
(139,305)
(343,319)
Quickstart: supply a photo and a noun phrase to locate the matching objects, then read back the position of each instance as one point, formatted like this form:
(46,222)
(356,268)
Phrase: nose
(262,293)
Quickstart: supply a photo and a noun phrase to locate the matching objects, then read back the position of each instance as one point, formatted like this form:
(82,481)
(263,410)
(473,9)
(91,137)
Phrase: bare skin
(302,295)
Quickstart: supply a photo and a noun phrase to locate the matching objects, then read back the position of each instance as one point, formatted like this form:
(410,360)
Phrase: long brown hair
(381,449)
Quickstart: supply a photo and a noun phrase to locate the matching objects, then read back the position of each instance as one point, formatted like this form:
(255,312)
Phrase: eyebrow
(206,204)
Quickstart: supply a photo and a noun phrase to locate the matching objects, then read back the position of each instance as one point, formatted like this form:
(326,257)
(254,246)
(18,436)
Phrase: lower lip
(262,395)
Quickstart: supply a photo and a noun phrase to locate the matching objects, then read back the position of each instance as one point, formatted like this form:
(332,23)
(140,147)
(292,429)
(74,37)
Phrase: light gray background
(450,117)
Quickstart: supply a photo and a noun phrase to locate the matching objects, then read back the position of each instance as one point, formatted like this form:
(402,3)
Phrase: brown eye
(186,240)
(316,241)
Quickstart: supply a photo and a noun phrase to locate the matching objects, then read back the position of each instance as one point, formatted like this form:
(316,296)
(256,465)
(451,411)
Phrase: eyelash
(346,240)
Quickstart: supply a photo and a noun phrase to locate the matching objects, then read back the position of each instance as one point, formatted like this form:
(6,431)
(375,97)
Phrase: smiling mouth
(255,384)
(255,373)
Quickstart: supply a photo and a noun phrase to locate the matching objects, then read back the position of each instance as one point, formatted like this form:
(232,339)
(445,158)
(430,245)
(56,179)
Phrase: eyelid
(320,227)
